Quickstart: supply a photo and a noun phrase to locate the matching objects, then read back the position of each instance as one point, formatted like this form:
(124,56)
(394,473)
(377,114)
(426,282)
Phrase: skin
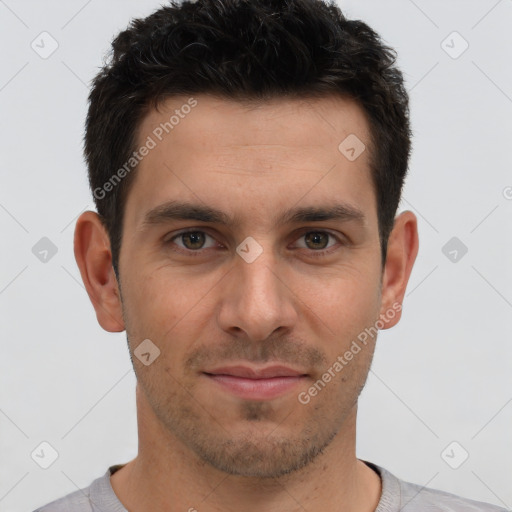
(199,445)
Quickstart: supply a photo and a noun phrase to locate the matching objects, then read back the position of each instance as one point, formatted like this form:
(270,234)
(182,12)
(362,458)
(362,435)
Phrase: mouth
(256,383)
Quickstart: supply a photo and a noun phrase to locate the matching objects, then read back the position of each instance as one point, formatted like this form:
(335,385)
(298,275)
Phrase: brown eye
(317,239)
(320,243)
(193,239)
(191,242)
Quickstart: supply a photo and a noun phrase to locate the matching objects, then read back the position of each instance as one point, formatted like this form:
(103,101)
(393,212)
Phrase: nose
(257,299)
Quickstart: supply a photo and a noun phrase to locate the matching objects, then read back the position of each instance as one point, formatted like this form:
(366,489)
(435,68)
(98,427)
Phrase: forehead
(219,121)
(253,156)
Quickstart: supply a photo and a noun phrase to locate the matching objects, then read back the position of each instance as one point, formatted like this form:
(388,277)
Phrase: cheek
(344,304)
(150,307)
(169,309)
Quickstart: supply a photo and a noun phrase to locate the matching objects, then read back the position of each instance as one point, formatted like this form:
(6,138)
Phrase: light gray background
(442,375)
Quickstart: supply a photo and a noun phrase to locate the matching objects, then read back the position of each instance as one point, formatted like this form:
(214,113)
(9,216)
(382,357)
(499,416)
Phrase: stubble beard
(259,452)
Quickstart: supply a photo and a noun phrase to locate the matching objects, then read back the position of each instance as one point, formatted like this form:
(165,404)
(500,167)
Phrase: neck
(166,475)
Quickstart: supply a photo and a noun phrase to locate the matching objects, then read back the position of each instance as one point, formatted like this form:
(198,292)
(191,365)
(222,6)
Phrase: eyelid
(335,234)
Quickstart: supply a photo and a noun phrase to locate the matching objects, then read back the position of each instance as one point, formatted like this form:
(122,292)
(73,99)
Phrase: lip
(256,373)
(256,383)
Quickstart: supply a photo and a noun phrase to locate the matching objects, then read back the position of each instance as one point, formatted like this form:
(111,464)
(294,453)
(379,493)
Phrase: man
(247,160)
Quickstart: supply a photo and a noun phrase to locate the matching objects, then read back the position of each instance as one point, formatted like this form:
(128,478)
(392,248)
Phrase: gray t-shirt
(397,496)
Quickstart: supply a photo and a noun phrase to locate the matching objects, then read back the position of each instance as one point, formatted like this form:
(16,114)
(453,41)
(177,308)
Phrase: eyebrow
(181,210)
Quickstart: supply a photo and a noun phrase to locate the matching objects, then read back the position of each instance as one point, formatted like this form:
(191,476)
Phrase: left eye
(318,240)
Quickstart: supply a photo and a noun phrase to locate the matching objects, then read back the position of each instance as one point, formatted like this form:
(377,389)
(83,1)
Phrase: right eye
(192,241)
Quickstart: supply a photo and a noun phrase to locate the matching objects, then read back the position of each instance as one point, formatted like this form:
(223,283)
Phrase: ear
(94,259)
(401,253)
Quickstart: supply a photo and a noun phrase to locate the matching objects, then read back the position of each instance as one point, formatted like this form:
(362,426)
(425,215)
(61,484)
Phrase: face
(249,304)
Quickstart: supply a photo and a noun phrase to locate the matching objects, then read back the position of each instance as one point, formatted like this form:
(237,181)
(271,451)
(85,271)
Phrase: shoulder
(403,496)
(97,496)
(77,501)
(414,497)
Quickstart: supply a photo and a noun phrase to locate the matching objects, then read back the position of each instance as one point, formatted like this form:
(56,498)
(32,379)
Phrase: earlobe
(402,250)
(94,259)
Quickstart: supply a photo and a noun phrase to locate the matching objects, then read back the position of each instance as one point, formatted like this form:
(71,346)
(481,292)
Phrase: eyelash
(199,252)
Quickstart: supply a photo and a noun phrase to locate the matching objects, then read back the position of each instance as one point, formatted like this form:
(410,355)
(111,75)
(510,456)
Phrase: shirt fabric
(397,496)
